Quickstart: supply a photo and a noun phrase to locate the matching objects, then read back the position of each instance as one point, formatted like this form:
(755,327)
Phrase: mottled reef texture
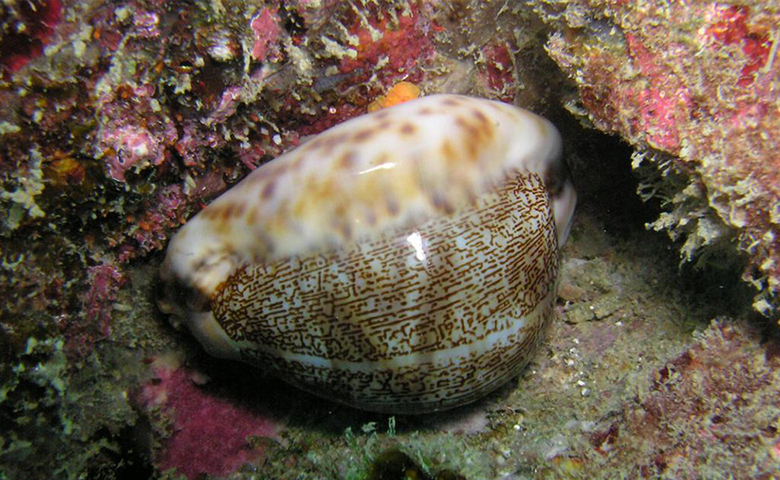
(695,88)
(118,121)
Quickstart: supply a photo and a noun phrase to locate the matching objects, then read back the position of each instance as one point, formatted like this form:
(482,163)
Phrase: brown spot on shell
(228,247)
(472,148)
(314,143)
(268,189)
(381,115)
(331,142)
(269,170)
(463,124)
(426,111)
(407,129)
(324,144)
(451,102)
(481,117)
(440,202)
(347,160)
(363,135)
(239,210)
(448,151)
(472,137)
(227,212)
(484,129)
(384,125)
(278,169)
(210,212)
(266,175)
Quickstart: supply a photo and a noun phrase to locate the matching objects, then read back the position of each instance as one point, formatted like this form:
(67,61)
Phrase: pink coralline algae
(210,435)
(729,26)
(662,103)
(265,27)
(499,70)
(132,145)
(126,144)
(405,47)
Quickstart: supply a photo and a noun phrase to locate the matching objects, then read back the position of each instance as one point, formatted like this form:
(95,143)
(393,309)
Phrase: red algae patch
(33,27)
(210,434)
(265,27)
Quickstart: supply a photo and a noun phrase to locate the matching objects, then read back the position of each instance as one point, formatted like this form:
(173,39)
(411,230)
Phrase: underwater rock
(693,86)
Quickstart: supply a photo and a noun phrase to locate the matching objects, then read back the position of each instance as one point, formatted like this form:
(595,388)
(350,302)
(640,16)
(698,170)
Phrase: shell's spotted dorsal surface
(404,261)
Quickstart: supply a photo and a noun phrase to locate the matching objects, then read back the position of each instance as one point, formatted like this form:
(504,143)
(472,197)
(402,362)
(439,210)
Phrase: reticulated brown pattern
(447,294)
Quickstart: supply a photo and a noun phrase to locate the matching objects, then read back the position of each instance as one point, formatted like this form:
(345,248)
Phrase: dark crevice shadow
(250,388)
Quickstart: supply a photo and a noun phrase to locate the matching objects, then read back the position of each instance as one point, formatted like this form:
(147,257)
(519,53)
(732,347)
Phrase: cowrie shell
(404,261)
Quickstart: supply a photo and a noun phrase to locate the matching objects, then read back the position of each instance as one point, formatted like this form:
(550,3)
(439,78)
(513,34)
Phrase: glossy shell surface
(404,261)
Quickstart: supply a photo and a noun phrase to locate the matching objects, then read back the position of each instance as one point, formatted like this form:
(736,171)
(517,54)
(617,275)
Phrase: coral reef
(119,121)
(707,411)
(694,87)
